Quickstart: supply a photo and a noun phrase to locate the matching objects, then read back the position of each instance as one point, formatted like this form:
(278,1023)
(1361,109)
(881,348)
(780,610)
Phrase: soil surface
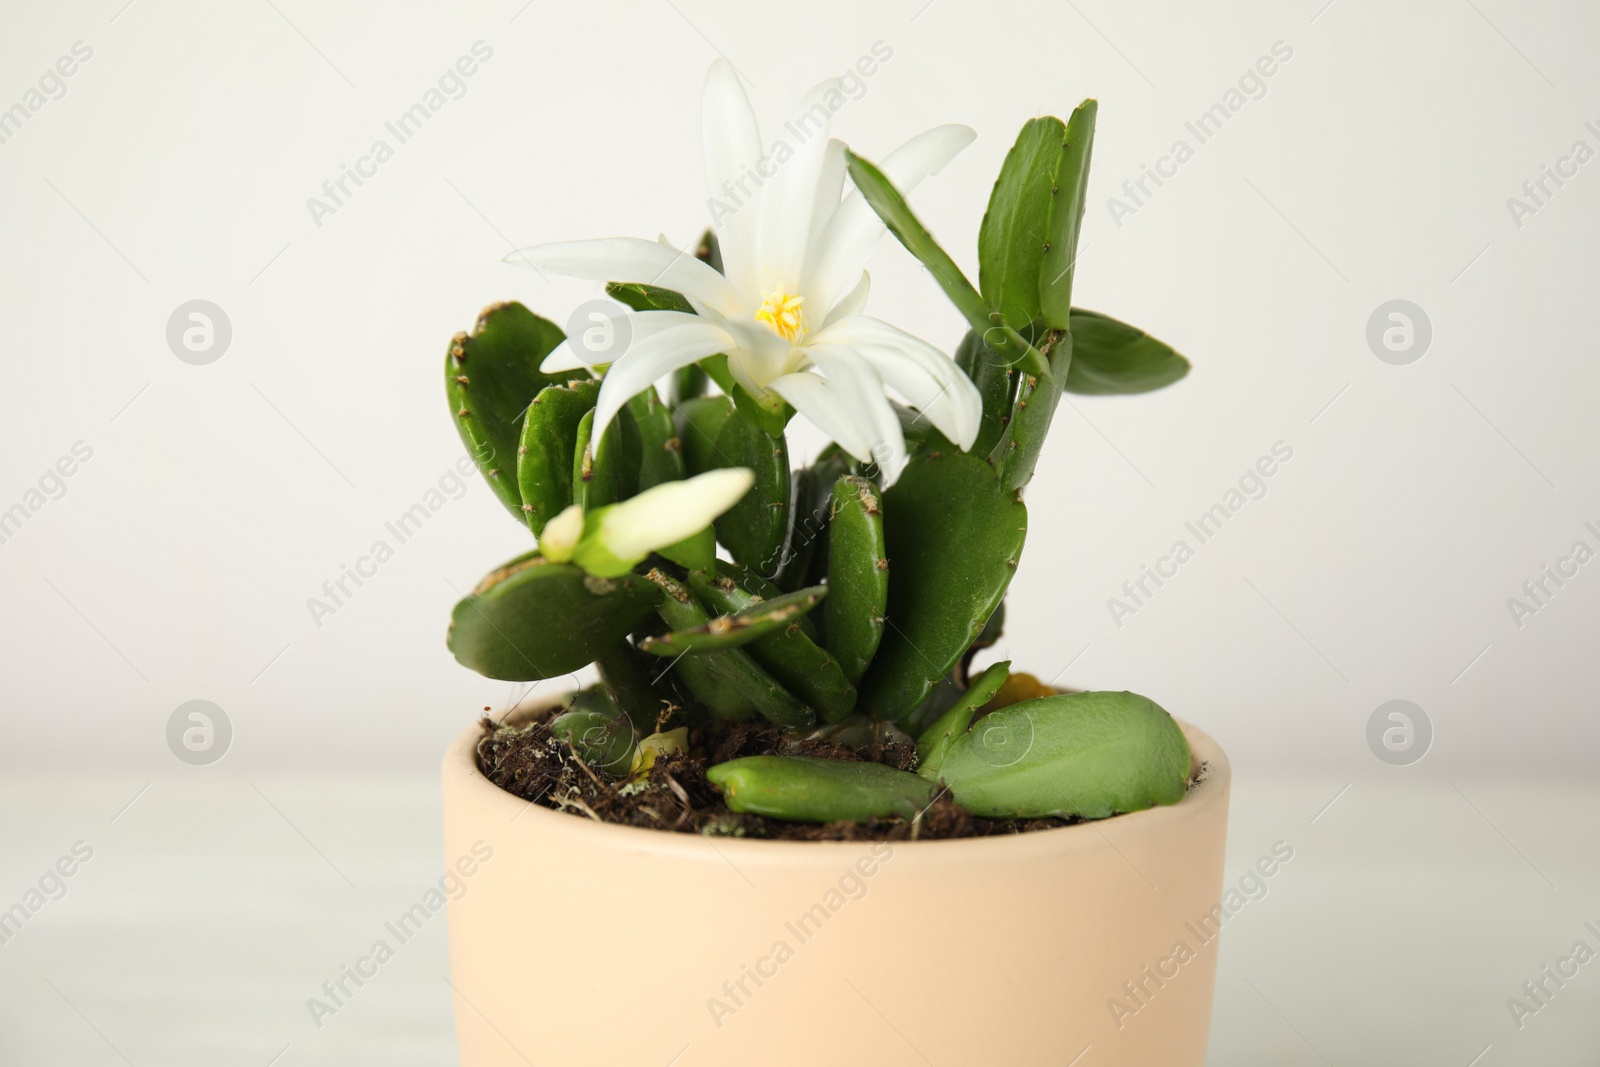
(677,797)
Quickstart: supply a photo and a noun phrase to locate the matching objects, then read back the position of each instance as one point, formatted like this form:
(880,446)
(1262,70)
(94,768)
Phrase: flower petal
(639,324)
(647,359)
(788,199)
(759,355)
(854,228)
(928,379)
(860,389)
(813,396)
(830,187)
(633,259)
(561,534)
(669,512)
(732,149)
(847,403)
(850,303)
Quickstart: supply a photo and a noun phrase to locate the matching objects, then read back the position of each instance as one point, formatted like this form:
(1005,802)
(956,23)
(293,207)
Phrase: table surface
(213,906)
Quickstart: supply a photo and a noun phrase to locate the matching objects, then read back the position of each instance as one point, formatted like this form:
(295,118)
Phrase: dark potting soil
(677,797)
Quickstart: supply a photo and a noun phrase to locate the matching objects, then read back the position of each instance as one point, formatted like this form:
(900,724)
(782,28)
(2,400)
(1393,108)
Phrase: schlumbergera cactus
(850,595)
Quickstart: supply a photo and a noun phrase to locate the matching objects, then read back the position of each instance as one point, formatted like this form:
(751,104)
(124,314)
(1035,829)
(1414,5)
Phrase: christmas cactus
(711,579)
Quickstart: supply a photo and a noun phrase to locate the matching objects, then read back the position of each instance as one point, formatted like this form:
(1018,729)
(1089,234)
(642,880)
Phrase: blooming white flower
(610,541)
(787,312)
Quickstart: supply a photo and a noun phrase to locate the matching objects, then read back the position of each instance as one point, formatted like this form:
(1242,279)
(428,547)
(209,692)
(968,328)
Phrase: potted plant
(791,823)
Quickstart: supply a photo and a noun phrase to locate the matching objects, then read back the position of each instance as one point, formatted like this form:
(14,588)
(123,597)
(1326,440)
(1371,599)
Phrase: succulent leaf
(546,450)
(626,676)
(491,375)
(715,434)
(791,654)
(812,789)
(532,619)
(1032,412)
(1071,189)
(641,297)
(954,537)
(858,575)
(1015,230)
(738,628)
(599,473)
(729,680)
(896,214)
(810,507)
(732,587)
(934,743)
(1109,357)
(997,385)
(660,452)
(604,740)
(1082,755)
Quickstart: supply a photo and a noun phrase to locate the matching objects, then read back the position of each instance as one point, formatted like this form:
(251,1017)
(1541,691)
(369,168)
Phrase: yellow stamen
(784,314)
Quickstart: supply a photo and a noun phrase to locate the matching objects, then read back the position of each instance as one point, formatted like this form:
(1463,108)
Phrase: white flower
(788,311)
(610,541)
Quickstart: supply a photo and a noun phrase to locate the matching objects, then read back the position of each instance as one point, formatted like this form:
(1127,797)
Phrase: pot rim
(461,774)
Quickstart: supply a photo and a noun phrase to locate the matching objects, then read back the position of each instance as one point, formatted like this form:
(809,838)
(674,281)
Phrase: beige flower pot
(575,943)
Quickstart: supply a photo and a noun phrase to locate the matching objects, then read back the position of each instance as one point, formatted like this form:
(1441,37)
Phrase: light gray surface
(216,905)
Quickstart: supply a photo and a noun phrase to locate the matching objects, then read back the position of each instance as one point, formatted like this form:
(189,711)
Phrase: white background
(1377,165)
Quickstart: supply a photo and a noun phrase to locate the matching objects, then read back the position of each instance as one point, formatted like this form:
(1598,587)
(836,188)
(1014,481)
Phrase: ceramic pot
(574,942)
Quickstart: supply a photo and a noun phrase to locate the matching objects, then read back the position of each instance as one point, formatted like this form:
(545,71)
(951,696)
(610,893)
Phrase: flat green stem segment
(733,587)
(810,507)
(715,434)
(604,740)
(1078,755)
(728,682)
(1070,195)
(1016,227)
(896,214)
(738,628)
(641,297)
(490,377)
(789,654)
(858,575)
(1033,410)
(935,742)
(812,789)
(532,619)
(1111,357)
(626,676)
(997,386)
(1028,249)
(546,452)
(954,538)
(660,452)
(600,474)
